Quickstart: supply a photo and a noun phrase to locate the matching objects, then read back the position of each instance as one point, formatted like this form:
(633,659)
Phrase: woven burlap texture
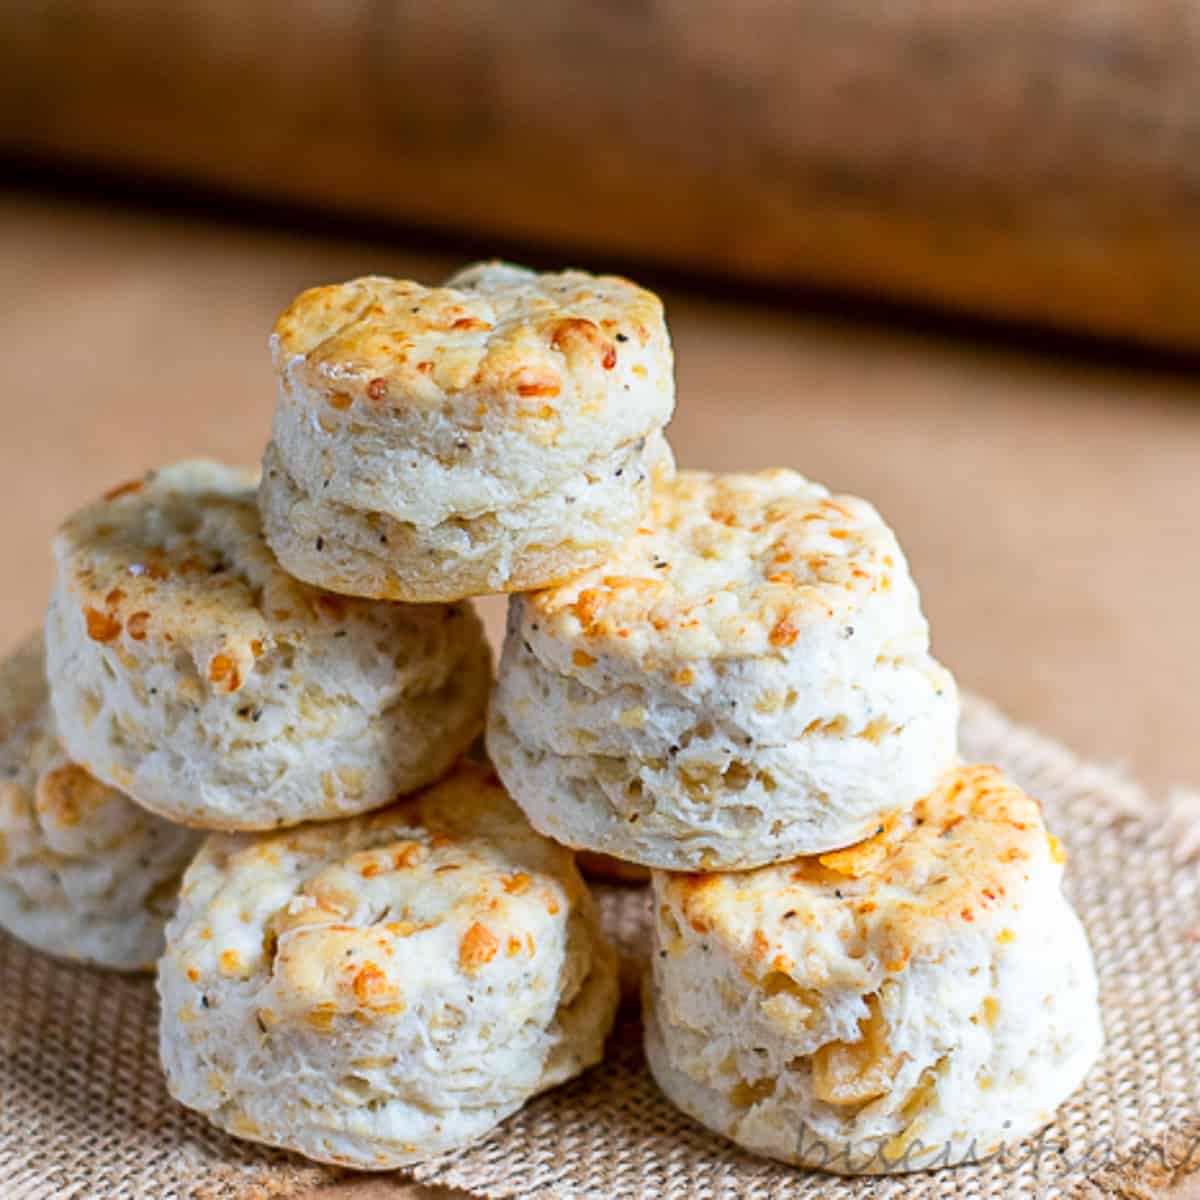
(84,1113)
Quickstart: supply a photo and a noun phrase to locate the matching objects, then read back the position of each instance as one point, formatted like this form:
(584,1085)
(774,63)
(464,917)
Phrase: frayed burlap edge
(1148,1169)
(83,1111)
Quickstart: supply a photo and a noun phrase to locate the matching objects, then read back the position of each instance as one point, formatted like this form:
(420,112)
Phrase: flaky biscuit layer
(189,670)
(85,873)
(747,679)
(553,536)
(915,1000)
(375,991)
(494,434)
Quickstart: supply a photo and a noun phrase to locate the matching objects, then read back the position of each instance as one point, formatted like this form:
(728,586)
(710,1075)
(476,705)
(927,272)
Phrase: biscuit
(85,874)
(917,1000)
(375,991)
(188,670)
(746,680)
(496,434)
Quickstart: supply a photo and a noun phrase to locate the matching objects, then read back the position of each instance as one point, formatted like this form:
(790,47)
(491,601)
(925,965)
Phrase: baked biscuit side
(920,998)
(85,873)
(414,975)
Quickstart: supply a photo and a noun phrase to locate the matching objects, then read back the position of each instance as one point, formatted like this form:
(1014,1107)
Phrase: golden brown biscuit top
(968,858)
(733,565)
(359,915)
(177,560)
(502,334)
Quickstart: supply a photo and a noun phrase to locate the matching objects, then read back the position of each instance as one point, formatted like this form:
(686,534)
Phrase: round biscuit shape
(189,670)
(375,991)
(917,1000)
(85,874)
(493,434)
(746,680)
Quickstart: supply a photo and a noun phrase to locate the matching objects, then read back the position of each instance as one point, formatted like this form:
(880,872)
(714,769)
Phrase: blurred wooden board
(1029,159)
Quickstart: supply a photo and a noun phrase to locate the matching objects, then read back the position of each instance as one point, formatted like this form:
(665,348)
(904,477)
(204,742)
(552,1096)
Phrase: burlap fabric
(83,1111)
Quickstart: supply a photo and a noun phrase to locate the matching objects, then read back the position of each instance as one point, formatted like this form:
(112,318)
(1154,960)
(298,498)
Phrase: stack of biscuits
(240,751)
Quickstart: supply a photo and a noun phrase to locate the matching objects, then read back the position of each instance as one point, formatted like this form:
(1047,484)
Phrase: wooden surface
(1049,507)
(1027,158)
